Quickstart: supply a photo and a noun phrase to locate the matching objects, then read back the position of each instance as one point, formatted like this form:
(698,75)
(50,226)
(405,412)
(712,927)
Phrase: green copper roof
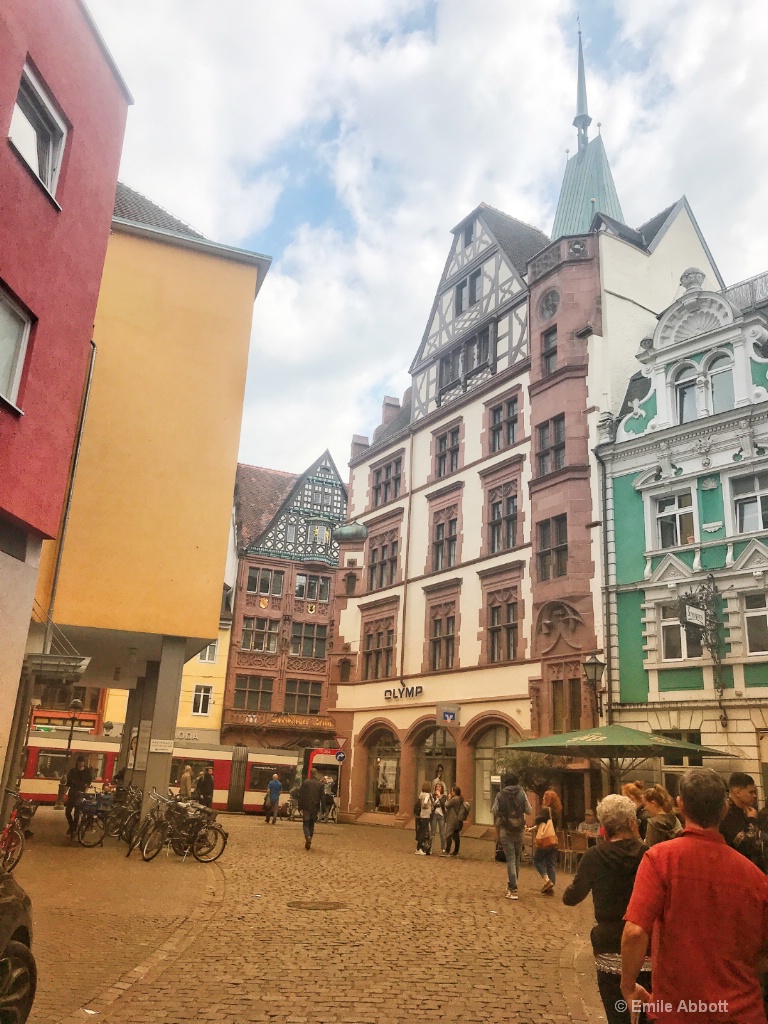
(587,177)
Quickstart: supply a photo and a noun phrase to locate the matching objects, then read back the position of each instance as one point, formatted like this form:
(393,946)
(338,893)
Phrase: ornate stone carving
(545,262)
(558,620)
(306,665)
(247,659)
(577,249)
(549,304)
(692,278)
(695,314)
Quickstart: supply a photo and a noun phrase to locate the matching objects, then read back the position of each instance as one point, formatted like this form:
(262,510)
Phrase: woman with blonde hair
(663,823)
(552,801)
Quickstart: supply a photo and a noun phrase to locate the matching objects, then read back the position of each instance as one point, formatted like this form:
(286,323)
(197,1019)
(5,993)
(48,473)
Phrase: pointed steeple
(587,186)
(582,121)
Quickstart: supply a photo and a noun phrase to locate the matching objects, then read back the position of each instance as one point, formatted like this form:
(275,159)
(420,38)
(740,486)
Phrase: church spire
(582,121)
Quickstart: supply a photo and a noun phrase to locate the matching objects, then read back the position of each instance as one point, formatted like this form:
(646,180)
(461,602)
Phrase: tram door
(237,778)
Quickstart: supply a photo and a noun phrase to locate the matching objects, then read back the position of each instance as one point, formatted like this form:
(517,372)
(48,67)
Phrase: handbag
(546,837)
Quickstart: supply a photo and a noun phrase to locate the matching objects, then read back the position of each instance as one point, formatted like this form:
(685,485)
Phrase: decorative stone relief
(711,527)
(558,620)
(709,483)
(549,304)
(694,315)
(545,262)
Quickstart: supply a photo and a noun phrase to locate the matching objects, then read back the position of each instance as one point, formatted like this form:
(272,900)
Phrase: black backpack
(511,816)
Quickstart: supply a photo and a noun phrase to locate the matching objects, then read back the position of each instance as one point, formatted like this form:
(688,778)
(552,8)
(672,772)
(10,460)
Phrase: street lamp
(74,707)
(593,670)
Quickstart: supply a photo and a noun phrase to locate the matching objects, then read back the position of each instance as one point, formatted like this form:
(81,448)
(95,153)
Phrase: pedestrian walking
(79,779)
(509,810)
(310,802)
(437,823)
(608,871)
(272,801)
(545,850)
(454,807)
(185,783)
(204,787)
(424,805)
(705,907)
(662,822)
(551,800)
(740,826)
(328,795)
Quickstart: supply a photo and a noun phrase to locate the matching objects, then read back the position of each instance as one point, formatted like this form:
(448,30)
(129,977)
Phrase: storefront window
(488,752)
(437,750)
(383,781)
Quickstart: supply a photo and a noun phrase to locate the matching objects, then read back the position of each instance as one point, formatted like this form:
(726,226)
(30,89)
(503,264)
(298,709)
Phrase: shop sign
(447,714)
(402,692)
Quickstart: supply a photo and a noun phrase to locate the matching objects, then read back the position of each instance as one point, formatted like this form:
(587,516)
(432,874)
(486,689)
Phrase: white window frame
(716,356)
(674,622)
(754,613)
(677,511)
(35,104)
(202,696)
(17,367)
(757,493)
(204,655)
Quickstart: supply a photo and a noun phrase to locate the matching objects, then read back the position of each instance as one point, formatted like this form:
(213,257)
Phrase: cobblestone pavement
(356,931)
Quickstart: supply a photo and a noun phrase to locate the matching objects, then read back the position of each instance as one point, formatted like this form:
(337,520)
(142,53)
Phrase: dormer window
(686,406)
(720,371)
(469,233)
(469,291)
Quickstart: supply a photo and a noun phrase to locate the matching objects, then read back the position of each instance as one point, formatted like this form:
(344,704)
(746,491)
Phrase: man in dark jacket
(310,801)
(79,779)
(509,809)
(204,788)
(740,827)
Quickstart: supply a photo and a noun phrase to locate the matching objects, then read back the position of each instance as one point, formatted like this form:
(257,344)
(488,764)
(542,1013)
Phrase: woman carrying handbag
(545,850)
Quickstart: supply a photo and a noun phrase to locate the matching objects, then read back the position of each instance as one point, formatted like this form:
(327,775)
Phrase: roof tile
(259,493)
(133,206)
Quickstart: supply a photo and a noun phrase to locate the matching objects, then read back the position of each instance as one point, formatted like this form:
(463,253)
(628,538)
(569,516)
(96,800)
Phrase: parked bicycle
(92,824)
(124,813)
(186,827)
(12,836)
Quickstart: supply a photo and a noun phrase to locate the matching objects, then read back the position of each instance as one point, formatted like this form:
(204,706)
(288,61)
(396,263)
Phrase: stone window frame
(499,481)
(553,549)
(486,435)
(444,430)
(385,529)
(566,673)
(375,617)
(500,586)
(551,454)
(444,505)
(442,601)
(381,465)
(549,351)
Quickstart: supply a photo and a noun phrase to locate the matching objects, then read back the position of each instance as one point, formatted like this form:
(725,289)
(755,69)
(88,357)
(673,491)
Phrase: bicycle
(186,828)
(12,837)
(141,830)
(92,825)
(125,808)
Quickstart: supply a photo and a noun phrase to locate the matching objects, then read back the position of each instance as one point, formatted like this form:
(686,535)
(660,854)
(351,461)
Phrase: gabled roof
(259,493)
(517,240)
(587,177)
(651,228)
(132,206)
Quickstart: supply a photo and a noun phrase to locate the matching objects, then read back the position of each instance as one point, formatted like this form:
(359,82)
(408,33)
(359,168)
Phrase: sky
(345,138)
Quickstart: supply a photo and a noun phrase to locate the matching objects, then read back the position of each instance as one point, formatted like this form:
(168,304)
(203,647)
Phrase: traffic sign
(340,756)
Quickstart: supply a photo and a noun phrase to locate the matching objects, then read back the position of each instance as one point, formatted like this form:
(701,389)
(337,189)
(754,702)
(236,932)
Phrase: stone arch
(421,727)
(476,726)
(376,725)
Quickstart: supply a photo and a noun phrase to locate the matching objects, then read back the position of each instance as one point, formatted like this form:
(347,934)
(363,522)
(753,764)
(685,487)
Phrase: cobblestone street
(355,930)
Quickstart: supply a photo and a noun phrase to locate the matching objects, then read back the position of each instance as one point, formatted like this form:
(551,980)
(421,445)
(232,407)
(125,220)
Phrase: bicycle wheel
(210,842)
(115,820)
(129,827)
(139,834)
(181,846)
(90,831)
(12,849)
(154,843)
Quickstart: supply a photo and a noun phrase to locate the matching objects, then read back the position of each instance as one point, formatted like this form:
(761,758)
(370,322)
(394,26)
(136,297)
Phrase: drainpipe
(606,584)
(68,503)
(407,556)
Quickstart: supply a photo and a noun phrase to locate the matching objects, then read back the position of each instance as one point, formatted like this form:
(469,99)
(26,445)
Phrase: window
(308,640)
(502,525)
(378,652)
(386,482)
(566,705)
(750,495)
(253,693)
(260,635)
(382,569)
(447,459)
(502,632)
(756,616)
(302,697)
(683,760)
(549,352)
(462,290)
(551,446)
(465,359)
(444,544)
(350,582)
(14,335)
(209,653)
(37,131)
(469,233)
(674,516)
(686,406)
(675,644)
(313,588)
(475,287)
(442,643)
(202,699)
(265,581)
(720,372)
(553,547)
(261,776)
(504,425)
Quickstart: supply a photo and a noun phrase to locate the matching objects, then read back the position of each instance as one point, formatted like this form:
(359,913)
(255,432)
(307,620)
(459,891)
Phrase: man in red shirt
(706,908)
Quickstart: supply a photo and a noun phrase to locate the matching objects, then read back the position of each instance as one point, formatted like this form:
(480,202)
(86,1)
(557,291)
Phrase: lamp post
(593,671)
(74,707)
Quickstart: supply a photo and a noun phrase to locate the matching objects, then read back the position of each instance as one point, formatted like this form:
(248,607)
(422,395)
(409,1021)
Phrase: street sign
(696,616)
(340,756)
(340,741)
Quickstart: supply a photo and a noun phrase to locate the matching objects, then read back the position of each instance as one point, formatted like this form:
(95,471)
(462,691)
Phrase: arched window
(686,407)
(720,372)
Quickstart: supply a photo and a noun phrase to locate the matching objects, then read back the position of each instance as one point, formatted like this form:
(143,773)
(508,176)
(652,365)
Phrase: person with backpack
(509,810)
(456,813)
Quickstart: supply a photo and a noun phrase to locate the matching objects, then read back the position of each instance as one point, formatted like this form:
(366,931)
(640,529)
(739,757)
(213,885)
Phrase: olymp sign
(401,692)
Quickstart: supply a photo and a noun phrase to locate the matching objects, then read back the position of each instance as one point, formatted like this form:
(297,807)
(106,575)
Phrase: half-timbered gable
(478,325)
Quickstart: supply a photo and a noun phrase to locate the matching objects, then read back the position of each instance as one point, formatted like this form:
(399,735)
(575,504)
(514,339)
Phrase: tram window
(177,767)
(53,764)
(261,775)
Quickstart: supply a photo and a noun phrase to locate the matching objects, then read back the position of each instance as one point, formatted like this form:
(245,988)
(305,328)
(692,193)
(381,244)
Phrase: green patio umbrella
(614,743)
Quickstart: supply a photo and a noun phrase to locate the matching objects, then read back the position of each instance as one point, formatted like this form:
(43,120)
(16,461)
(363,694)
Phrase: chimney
(390,407)
(359,445)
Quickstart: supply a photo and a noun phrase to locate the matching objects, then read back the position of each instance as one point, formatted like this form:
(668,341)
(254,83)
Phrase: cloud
(402,115)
